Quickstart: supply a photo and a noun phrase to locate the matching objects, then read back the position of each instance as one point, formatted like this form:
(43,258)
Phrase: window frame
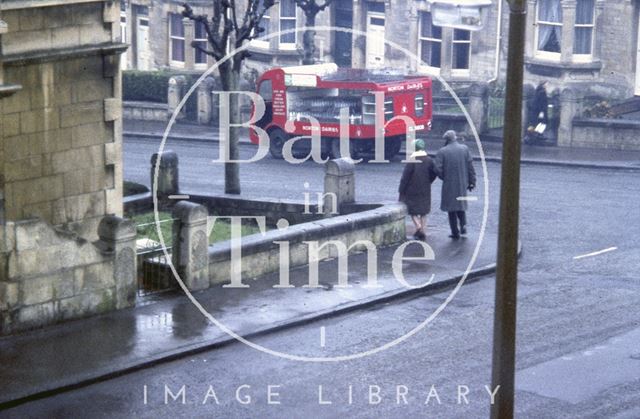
(547,55)
(460,71)
(584,58)
(288,45)
(176,38)
(266,19)
(204,41)
(422,65)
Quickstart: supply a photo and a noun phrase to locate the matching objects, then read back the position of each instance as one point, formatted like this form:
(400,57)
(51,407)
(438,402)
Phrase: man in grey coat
(454,166)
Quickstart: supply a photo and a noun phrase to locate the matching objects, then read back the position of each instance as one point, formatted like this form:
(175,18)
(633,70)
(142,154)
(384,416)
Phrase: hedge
(151,86)
(145,86)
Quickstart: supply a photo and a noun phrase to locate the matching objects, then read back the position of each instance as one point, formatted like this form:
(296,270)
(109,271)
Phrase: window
(461,49)
(419,104)
(176,33)
(266,92)
(123,26)
(200,39)
(549,24)
(583,37)
(287,22)
(265,25)
(430,45)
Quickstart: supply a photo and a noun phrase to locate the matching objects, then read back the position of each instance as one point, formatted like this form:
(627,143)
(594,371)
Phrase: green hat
(419,144)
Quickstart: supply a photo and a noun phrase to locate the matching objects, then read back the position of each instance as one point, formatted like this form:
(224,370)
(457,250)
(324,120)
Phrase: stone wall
(60,157)
(145,111)
(64,253)
(606,133)
(382,226)
(53,275)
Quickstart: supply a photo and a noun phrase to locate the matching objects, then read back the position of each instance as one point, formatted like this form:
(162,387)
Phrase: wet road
(578,350)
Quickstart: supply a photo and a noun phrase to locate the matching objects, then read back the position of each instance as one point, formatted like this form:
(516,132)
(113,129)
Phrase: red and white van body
(320,91)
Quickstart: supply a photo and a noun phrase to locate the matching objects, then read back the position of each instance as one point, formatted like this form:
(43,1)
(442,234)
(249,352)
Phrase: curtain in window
(287,21)
(549,36)
(584,34)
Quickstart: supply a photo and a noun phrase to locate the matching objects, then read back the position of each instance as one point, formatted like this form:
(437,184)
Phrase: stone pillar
(479,106)
(569,108)
(175,92)
(168,176)
(568,30)
(359,42)
(596,48)
(190,250)
(205,101)
(189,51)
(339,185)
(118,236)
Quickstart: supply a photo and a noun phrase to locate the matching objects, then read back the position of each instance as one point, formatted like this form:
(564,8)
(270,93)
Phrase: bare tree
(311,8)
(228,29)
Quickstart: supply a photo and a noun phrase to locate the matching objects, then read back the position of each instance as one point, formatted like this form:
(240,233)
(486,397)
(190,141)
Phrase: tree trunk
(308,40)
(230,83)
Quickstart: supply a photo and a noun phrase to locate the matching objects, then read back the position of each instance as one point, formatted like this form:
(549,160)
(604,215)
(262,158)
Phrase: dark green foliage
(145,86)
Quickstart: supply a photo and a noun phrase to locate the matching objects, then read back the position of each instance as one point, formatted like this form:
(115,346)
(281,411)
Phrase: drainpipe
(496,66)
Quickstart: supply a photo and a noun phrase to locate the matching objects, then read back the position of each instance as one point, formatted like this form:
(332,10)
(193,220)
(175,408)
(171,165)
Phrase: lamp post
(504,329)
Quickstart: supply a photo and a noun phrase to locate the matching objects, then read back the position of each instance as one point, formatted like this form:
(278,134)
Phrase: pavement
(166,327)
(541,155)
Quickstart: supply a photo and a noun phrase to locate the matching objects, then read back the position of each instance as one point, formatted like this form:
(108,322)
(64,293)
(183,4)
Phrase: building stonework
(60,160)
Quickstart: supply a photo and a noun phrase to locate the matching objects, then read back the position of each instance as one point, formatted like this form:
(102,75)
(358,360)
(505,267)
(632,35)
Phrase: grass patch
(146,228)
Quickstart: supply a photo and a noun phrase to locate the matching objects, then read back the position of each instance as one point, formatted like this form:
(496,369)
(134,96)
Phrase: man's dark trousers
(454,217)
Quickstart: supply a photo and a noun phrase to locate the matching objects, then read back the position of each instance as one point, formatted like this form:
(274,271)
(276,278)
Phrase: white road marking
(599,252)
(322,336)
(467,198)
(179,197)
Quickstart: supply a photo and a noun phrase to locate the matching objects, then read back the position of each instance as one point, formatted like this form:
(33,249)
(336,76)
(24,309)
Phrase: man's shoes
(454,236)
(419,235)
(463,230)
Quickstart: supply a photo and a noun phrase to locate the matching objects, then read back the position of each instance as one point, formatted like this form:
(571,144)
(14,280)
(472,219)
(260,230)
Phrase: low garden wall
(51,275)
(620,134)
(145,111)
(202,265)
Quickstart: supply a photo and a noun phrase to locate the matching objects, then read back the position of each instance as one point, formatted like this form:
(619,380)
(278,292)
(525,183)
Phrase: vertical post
(118,235)
(569,108)
(190,250)
(339,186)
(205,101)
(175,91)
(504,330)
(479,106)
(168,176)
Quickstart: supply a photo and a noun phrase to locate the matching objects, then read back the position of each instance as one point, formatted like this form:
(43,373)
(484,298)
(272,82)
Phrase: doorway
(375,40)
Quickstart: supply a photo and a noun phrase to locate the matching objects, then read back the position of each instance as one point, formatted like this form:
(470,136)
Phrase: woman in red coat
(415,188)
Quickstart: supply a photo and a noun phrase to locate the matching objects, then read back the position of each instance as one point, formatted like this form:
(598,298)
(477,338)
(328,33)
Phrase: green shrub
(145,86)
(151,86)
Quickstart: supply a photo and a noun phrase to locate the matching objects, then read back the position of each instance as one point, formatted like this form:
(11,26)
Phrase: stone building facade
(61,164)
(161,38)
(585,49)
